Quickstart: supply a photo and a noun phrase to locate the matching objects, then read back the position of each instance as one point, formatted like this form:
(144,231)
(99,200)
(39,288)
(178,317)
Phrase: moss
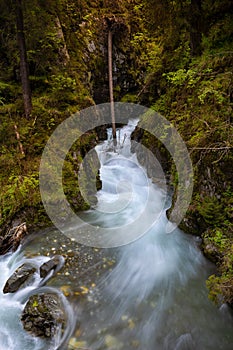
(218,246)
(196,100)
(20,194)
(211,210)
(220,288)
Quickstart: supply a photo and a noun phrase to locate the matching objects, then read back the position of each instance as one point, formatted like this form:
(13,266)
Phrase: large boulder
(43,315)
(22,276)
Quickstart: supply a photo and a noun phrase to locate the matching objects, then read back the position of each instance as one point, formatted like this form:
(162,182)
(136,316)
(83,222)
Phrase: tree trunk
(111,84)
(23,60)
(63,52)
(195,27)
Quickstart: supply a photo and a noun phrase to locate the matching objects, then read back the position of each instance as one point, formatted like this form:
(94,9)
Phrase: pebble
(124,318)
(113,343)
(85,290)
(65,290)
(131,324)
(77,344)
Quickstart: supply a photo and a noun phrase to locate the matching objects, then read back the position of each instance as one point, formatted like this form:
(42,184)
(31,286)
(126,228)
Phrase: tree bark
(63,52)
(24,74)
(195,27)
(110,79)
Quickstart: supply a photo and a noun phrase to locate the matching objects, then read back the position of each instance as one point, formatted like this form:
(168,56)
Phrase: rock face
(211,251)
(156,160)
(24,274)
(43,315)
(89,180)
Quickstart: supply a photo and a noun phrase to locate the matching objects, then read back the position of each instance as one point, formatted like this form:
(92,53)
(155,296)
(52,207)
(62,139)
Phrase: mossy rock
(44,315)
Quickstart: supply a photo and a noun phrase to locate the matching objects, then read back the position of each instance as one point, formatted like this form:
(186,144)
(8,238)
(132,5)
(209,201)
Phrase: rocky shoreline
(43,314)
(62,276)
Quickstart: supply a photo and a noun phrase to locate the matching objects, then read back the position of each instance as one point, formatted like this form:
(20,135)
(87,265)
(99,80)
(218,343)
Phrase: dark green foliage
(195,93)
(211,210)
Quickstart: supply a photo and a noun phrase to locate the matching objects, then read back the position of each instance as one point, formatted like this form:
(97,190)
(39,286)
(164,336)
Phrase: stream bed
(149,294)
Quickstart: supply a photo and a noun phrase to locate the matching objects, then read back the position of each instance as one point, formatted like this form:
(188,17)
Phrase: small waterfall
(155,295)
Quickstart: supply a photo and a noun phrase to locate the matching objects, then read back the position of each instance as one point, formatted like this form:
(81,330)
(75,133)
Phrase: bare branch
(211,148)
(18,138)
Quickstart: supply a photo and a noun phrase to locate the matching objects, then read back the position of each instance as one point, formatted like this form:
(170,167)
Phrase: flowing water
(153,297)
(12,334)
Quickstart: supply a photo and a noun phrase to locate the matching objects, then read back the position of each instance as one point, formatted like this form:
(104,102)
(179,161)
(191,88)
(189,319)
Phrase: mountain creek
(147,294)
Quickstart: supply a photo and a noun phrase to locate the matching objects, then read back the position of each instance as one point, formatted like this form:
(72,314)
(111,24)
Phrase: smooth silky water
(12,334)
(154,297)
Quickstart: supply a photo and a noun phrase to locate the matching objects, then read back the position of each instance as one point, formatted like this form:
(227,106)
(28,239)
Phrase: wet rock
(43,315)
(192,223)
(211,252)
(55,264)
(89,179)
(23,275)
(157,152)
(102,132)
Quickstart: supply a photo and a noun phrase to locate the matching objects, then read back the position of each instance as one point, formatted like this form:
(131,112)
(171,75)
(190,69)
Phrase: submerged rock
(43,315)
(23,275)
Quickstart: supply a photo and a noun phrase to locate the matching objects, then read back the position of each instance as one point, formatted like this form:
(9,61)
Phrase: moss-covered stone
(43,315)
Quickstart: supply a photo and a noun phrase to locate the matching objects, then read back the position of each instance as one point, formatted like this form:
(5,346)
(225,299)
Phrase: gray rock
(54,263)
(212,252)
(23,275)
(43,315)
